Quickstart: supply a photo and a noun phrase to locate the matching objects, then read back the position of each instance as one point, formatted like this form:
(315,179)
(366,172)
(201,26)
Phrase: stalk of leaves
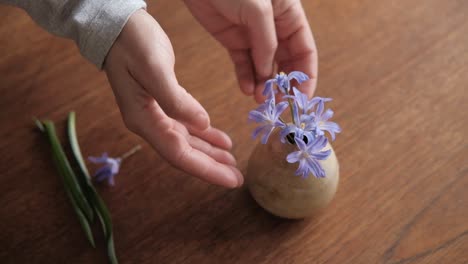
(80,190)
(92,195)
(72,188)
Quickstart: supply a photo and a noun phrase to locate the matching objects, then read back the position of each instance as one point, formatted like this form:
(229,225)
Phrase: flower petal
(114,165)
(101,159)
(257,116)
(294,156)
(299,76)
(257,131)
(320,101)
(318,144)
(268,130)
(315,167)
(327,115)
(322,155)
(330,127)
(102,173)
(269,87)
(300,143)
(303,169)
(308,121)
(279,109)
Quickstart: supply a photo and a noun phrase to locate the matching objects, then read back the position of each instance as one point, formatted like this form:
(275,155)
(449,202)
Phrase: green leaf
(39,124)
(92,195)
(81,217)
(68,175)
(71,128)
(83,220)
(111,250)
(60,161)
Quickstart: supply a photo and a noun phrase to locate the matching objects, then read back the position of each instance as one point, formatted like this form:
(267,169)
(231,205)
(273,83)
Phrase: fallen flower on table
(111,165)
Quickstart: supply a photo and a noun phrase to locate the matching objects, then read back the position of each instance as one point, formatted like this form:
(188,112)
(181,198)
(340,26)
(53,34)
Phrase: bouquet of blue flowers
(310,121)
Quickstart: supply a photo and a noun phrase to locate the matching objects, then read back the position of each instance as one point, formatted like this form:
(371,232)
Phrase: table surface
(397,71)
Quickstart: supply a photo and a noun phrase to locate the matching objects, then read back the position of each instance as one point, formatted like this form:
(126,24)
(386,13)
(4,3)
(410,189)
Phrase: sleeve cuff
(105,27)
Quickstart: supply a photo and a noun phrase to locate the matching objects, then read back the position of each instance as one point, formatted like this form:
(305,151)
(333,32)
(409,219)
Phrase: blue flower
(308,156)
(109,170)
(268,115)
(303,101)
(313,124)
(320,102)
(303,125)
(283,81)
(322,123)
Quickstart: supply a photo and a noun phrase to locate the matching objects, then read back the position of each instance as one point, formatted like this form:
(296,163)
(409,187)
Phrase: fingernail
(231,160)
(231,181)
(266,71)
(201,120)
(238,175)
(249,90)
(227,141)
(247,87)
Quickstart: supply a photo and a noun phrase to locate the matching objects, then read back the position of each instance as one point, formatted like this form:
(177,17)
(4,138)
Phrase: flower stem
(290,102)
(291,108)
(130,152)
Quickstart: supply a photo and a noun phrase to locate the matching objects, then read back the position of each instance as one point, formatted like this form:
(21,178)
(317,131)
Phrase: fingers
(247,29)
(215,166)
(297,49)
(175,100)
(258,95)
(215,153)
(244,70)
(258,17)
(199,164)
(211,141)
(262,33)
(193,156)
(213,136)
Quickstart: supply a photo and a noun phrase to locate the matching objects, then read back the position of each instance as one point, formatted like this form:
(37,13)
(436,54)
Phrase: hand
(140,69)
(259,33)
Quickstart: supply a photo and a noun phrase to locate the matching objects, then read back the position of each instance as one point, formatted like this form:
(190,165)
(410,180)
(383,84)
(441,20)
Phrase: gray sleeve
(92,24)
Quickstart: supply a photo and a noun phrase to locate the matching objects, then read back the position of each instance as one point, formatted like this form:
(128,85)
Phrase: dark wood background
(398,73)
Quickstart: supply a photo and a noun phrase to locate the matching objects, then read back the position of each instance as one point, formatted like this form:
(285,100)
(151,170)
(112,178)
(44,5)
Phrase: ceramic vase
(273,184)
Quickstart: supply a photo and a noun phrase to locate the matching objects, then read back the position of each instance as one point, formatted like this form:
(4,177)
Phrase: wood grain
(397,71)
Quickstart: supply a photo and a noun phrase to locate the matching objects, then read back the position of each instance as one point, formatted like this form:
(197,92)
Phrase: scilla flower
(283,81)
(322,124)
(111,165)
(267,115)
(320,102)
(303,125)
(302,100)
(308,156)
(109,170)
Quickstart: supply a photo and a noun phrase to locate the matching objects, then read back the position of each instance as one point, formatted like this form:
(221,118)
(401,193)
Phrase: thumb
(154,71)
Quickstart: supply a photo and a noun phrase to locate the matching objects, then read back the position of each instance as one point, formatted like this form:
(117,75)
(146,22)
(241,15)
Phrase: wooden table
(398,73)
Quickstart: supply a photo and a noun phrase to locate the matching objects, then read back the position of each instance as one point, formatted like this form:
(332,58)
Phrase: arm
(93,24)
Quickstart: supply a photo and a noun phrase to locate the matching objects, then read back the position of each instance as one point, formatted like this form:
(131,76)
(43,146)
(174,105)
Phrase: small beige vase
(273,184)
